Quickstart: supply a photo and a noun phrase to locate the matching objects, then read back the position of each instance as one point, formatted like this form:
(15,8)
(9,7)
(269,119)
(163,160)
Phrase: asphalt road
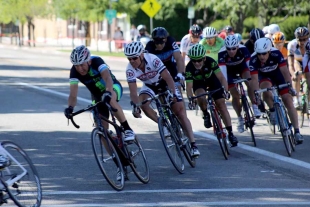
(34,89)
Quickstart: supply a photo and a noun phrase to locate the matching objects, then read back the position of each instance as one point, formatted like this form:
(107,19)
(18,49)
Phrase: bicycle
(248,115)
(282,121)
(218,130)
(112,154)
(177,141)
(19,178)
(304,110)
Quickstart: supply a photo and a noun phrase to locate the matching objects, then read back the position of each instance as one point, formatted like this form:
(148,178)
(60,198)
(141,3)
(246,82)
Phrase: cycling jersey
(284,52)
(269,71)
(250,46)
(212,51)
(234,65)
(306,63)
(185,44)
(204,77)
(294,50)
(92,80)
(166,54)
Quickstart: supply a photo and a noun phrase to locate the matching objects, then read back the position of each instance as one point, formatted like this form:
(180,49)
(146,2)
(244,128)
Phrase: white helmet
(273,28)
(262,45)
(140,27)
(209,32)
(265,29)
(231,41)
(79,55)
(134,49)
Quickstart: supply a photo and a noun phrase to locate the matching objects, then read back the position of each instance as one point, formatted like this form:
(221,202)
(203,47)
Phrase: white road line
(209,136)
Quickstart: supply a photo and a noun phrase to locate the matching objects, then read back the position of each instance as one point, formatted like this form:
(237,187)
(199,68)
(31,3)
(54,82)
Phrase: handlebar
(242,80)
(167,92)
(209,93)
(88,108)
(257,92)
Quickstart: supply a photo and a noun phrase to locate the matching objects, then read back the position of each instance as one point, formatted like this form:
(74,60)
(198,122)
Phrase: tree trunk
(33,36)
(29,32)
(87,34)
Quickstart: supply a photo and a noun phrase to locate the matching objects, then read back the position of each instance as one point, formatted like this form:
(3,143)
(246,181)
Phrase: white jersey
(185,44)
(294,50)
(153,68)
(306,63)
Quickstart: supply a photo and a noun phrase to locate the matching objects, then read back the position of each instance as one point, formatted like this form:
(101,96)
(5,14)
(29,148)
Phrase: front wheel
(171,146)
(21,177)
(249,118)
(138,164)
(107,159)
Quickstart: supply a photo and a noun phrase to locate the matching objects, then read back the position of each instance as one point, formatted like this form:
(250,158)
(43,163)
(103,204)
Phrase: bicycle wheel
(248,117)
(284,128)
(219,133)
(186,146)
(304,110)
(171,146)
(108,159)
(272,127)
(26,189)
(139,164)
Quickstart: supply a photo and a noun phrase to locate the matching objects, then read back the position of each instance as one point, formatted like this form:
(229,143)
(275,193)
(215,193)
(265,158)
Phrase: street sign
(110,14)
(151,7)
(191,12)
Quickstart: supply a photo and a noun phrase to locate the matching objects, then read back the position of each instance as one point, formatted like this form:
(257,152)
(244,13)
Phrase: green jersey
(212,51)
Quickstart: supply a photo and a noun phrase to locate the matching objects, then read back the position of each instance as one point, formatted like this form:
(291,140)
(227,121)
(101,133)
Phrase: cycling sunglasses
(134,58)
(232,48)
(303,40)
(197,61)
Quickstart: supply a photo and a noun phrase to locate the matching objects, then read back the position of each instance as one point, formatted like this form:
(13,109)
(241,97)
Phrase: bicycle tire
(171,146)
(272,127)
(249,121)
(108,162)
(138,164)
(26,191)
(186,146)
(219,133)
(283,127)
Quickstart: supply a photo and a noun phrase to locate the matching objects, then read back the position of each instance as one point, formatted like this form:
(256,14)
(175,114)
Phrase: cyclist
(272,29)
(255,34)
(203,72)
(234,60)
(296,51)
(142,32)
(278,40)
(189,40)
(211,42)
(96,75)
(239,37)
(166,49)
(306,70)
(154,74)
(269,67)
(228,30)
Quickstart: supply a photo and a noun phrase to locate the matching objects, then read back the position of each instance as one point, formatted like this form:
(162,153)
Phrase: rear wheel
(107,159)
(26,189)
(139,164)
(170,143)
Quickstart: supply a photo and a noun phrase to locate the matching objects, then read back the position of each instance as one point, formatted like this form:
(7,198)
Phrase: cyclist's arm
(180,61)
(290,60)
(285,73)
(133,92)
(189,88)
(105,74)
(218,73)
(72,100)
(169,80)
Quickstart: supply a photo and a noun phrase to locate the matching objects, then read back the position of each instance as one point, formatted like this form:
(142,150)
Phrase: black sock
(271,109)
(206,113)
(126,125)
(193,144)
(229,130)
(296,130)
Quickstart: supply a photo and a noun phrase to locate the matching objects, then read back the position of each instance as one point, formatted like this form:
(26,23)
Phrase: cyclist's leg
(296,83)
(145,93)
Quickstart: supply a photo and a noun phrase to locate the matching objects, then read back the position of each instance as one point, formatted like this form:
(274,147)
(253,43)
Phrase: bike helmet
(231,41)
(239,37)
(141,27)
(195,30)
(228,29)
(159,32)
(301,32)
(265,30)
(80,55)
(273,28)
(134,49)
(256,34)
(209,32)
(197,52)
(308,48)
(262,45)
(278,37)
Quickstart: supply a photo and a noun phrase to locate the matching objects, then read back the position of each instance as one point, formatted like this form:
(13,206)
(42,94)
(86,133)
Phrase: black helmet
(228,29)
(256,33)
(195,30)
(159,34)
